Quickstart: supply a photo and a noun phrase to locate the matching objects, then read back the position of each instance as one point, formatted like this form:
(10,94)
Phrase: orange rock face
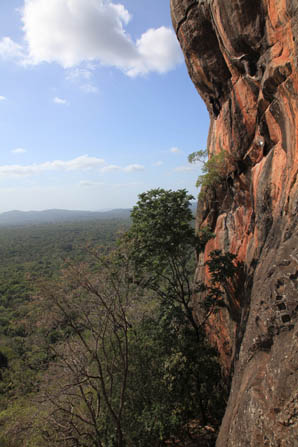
(242,56)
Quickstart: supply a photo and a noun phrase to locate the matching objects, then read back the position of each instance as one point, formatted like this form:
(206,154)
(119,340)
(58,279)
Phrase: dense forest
(99,346)
(29,254)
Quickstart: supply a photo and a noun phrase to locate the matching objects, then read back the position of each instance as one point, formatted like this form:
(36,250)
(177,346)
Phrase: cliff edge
(242,56)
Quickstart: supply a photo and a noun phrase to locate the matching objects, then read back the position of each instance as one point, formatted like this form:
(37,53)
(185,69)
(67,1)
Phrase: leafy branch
(214,170)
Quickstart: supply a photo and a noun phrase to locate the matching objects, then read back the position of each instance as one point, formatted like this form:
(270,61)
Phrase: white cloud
(19,150)
(61,101)
(84,162)
(185,168)
(158,163)
(10,49)
(129,168)
(158,50)
(2,98)
(71,32)
(175,150)
(135,167)
(91,184)
(110,168)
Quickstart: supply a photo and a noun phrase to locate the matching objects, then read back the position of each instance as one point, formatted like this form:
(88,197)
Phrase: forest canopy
(100,346)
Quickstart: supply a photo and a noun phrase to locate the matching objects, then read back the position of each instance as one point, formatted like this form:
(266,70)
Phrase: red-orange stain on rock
(252,97)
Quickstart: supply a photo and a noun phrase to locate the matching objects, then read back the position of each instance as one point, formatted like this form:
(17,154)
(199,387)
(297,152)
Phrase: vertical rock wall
(242,56)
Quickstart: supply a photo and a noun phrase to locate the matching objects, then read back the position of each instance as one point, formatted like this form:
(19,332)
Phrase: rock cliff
(242,56)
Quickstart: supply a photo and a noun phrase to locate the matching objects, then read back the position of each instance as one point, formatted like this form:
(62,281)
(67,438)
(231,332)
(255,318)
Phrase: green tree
(164,247)
(228,276)
(129,364)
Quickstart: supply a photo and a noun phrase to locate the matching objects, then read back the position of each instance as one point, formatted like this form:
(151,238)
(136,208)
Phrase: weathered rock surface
(242,56)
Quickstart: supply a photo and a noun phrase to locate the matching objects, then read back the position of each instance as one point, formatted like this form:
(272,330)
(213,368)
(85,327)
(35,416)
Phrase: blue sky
(96,105)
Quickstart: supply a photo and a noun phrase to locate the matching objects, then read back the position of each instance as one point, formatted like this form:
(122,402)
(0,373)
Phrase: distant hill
(15,217)
(55,216)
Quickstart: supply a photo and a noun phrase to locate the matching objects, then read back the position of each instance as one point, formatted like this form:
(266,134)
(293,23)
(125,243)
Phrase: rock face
(242,56)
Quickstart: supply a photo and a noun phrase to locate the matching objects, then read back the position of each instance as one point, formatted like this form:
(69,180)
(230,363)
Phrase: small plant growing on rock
(214,170)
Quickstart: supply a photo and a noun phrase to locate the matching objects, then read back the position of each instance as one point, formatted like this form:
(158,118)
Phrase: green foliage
(228,275)
(163,246)
(124,339)
(214,169)
(26,255)
(175,380)
(161,223)
(222,266)
(162,234)
(19,425)
(198,156)
(104,350)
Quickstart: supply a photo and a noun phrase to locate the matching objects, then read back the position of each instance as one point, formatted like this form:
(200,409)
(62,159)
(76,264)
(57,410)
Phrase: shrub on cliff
(215,169)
